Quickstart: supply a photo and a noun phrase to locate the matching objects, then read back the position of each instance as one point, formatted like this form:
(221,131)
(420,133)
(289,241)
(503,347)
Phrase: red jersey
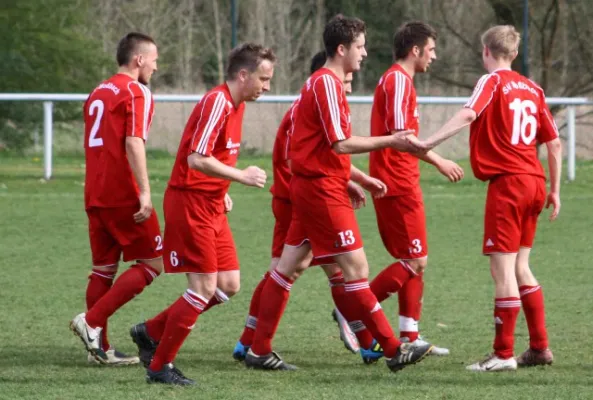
(280,157)
(512,118)
(213,129)
(323,118)
(395,109)
(119,107)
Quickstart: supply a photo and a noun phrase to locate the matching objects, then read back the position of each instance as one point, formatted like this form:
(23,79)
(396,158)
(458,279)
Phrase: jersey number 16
(523,119)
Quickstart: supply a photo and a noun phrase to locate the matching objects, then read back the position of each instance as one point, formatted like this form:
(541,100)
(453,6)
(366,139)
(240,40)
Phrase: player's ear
(243,74)
(341,50)
(139,59)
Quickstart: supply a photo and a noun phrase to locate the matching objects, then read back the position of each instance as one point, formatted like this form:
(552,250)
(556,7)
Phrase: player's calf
(146,345)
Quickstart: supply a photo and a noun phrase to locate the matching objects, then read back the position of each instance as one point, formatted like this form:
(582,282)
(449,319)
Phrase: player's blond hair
(502,41)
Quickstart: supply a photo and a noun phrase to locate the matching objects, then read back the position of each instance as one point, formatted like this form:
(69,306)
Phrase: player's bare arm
(250,176)
(137,158)
(375,186)
(359,144)
(554,148)
(463,118)
(448,168)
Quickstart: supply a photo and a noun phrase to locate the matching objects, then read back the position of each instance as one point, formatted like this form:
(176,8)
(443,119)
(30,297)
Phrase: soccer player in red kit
(117,117)
(323,223)
(508,116)
(400,213)
(198,241)
(282,210)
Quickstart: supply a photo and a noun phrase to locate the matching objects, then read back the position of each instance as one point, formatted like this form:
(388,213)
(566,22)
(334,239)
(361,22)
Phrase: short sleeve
(547,130)
(483,93)
(211,119)
(332,108)
(139,111)
(397,89)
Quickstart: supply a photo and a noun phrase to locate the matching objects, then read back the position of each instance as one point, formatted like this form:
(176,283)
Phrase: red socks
(276,292)
(391,279)
(371,314)
(532,299)
(181,319)
(410,307)
(99,283)
(506,310)
(251,322)
(125,288)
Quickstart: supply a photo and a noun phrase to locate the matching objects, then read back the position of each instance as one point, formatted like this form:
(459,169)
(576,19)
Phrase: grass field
(44,256)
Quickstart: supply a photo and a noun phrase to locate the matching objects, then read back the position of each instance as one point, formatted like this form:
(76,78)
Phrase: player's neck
(235,92)
(408,66)
(336,68)
(497,65)
(129,72)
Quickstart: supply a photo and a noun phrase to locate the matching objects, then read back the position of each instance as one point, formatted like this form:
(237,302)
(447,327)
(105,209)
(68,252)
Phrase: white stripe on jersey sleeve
(146,112)
(217,109)
(147,104)
(477,91)
(398,102)
(332,100)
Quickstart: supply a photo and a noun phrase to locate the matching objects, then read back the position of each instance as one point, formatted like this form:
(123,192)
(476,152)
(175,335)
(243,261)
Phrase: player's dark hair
(247,56)
(128,46)
(318,61)
(341,30)
(410,34)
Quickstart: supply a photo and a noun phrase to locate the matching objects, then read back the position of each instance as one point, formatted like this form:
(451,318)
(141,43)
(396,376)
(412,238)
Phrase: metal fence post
(48,107)
(571,141)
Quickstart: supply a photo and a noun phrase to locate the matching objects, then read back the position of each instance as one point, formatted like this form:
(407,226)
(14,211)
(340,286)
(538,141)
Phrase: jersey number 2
(98,107)
(523,119)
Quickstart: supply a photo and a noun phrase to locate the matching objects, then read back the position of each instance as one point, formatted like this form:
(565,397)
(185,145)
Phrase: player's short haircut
(410,34)
(502,41)
(341,30)
(318,61)
(129,45)
(247,56)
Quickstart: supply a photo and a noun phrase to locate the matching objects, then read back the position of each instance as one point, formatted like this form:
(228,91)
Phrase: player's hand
(400,142)
(228,203)
(357,196)
(553,200)
(376,187)
(450,170)
(254,176)
(419,145)
(145,208)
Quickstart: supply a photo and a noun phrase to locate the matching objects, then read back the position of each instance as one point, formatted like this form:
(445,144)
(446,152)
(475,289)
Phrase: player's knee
(331,270)
(418,264)
(231,288)
(156,264)
(112,269)
(149,269)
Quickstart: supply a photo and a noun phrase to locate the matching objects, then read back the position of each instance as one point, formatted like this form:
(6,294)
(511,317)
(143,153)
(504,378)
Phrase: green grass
(45,260)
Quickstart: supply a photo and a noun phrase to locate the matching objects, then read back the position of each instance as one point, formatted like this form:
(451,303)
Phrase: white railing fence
(48,99)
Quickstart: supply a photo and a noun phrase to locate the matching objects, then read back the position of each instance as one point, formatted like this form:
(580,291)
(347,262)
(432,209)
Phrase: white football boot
(492,363)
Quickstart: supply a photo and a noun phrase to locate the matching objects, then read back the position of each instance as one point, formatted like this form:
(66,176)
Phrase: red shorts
(113,232)
(282,209)
(323,215)
(513,205)
(402,225)
(198,237)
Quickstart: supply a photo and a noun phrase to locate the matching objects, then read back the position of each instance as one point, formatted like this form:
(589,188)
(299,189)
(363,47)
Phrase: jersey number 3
(96,108)
(523,120)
